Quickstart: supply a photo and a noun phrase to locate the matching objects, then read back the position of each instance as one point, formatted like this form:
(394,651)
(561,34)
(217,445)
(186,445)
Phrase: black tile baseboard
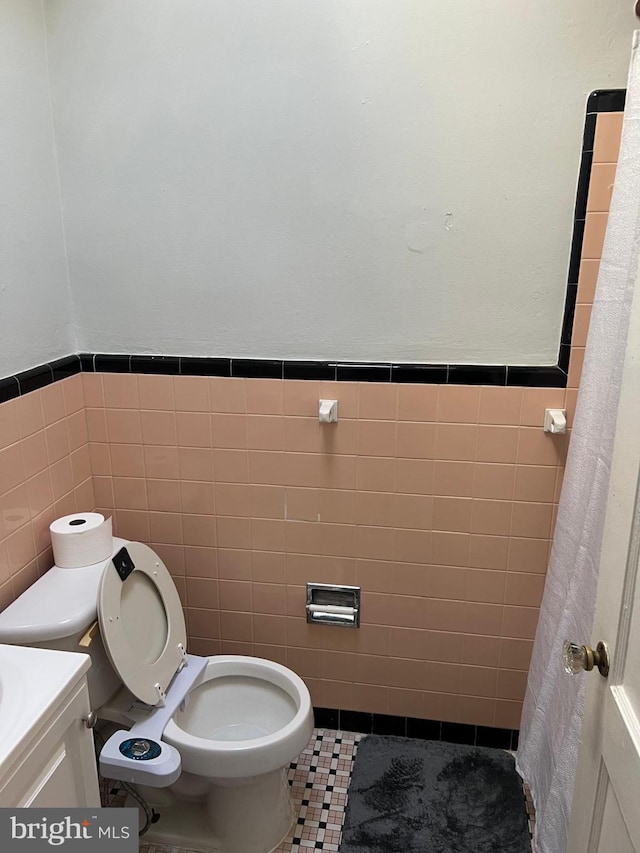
(388,724)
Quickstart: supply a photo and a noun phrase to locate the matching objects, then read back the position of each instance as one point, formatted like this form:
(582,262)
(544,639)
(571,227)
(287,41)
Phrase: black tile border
(388,724)
(552,376)
(606,101)
(87,362)
(589,133)
(599,101)
(309,370)
(9,389)
(103,363)
(422,374)
(193,366)
(471,374)
(363,372)
(165,365)
(35,378)
(63,368)
(430,374)
(257,368)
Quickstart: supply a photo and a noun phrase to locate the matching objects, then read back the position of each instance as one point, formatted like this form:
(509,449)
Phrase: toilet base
(254,817)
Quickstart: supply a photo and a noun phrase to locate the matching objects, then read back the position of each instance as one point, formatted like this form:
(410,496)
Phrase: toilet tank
(56,612)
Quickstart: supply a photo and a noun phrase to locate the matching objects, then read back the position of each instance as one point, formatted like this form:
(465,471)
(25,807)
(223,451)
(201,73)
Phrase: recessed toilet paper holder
(328,604)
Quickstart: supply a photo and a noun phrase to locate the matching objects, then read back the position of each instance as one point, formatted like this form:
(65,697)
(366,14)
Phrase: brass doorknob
(577,658)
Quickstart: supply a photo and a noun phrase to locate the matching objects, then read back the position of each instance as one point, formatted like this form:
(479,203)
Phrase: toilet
(207,740)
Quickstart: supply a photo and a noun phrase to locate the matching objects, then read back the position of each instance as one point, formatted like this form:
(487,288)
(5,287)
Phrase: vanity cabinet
(51,762)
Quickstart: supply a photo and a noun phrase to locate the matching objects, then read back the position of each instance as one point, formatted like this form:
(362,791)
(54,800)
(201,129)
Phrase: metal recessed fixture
(328,604)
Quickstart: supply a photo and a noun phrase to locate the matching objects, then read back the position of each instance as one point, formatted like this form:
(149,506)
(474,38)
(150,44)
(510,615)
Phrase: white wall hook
(555,421)
(328,411)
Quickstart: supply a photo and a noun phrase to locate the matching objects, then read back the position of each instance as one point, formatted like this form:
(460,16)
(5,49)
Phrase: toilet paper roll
(81,539)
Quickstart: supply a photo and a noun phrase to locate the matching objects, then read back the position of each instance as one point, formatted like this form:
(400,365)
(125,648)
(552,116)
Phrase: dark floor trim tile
(458,733)
(164,365)
(356,721)
(193,366)
(498,738)
(256,368)
(414,727)
(9,389)
(515,739)
(37,377)
(326,718)
(105,363)
(65,367)
(423,729)
(387,724)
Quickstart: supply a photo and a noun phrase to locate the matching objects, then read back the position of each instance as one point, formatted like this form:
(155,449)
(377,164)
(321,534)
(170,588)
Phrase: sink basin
(31,682)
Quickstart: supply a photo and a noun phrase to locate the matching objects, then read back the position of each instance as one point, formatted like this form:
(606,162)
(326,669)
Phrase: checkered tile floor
(319,783)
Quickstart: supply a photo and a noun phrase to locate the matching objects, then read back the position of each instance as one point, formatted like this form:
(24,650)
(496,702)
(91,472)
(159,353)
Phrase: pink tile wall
(45,472)
(439,501)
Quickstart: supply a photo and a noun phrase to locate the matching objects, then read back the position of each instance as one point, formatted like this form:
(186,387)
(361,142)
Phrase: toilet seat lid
(141,621)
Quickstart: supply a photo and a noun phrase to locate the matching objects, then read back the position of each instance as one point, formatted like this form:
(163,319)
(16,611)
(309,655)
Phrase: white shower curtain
(552,716)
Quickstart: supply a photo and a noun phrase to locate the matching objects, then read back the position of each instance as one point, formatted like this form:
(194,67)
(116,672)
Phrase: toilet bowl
(220,732)
(244,722)
(244,717)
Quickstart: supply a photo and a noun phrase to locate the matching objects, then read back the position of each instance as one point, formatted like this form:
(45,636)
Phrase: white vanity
(46,750)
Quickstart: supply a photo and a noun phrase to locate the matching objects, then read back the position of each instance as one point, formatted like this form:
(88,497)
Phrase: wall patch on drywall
(417,237)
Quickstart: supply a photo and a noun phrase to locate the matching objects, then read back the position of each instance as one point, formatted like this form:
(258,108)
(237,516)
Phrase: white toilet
(208,740)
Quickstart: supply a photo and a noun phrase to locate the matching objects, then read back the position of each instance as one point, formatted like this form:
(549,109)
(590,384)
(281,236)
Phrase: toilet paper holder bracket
(331,604)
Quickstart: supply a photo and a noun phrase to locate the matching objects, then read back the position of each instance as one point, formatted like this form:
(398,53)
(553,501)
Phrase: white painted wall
(356,179)
(35,303)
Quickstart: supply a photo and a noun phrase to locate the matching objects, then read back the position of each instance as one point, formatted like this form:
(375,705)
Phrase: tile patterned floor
(319,784)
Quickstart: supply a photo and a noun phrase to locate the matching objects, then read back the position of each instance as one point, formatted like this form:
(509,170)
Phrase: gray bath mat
(415,796)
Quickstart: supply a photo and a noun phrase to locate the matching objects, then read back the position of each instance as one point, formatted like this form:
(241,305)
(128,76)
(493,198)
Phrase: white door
(605,817)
